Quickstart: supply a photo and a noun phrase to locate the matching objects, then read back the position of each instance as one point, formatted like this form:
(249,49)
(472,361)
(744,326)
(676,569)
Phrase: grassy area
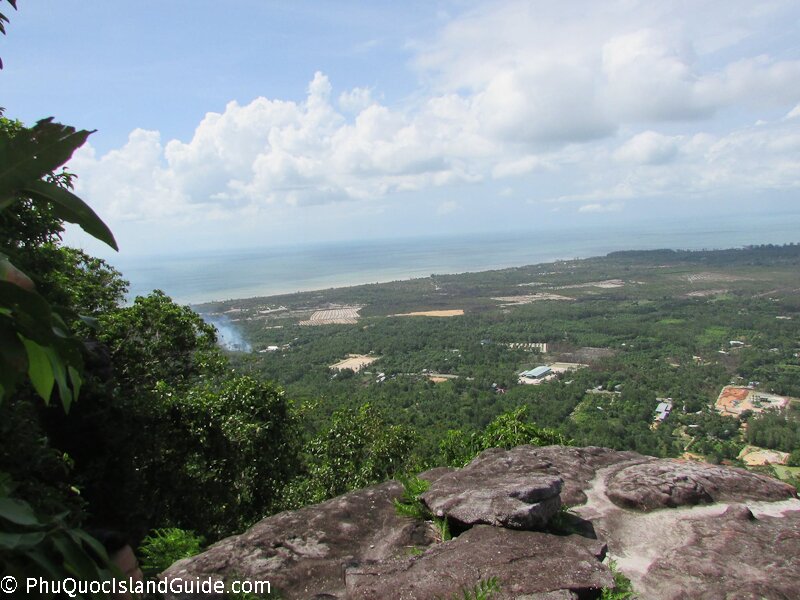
(785,473)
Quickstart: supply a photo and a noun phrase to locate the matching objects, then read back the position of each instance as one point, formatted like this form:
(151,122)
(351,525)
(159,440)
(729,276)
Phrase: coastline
(199,279)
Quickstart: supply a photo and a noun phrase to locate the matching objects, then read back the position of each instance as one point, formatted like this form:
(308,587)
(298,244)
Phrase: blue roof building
(536,373)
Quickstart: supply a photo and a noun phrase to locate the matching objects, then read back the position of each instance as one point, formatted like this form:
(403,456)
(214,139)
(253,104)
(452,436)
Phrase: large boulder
(677,529)
(577,467)
(672,483)
(730,555)
(525,563)
(304,553)
(482,493)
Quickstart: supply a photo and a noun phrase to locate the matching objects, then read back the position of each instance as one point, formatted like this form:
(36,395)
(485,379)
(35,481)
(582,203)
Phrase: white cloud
(355,100)
(746,161)
(601,208)
(540,72)
(520,166)
(648,148)
(273,152)
(132,182)
(607,102)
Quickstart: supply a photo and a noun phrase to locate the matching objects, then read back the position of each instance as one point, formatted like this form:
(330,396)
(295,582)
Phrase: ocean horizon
(235,274)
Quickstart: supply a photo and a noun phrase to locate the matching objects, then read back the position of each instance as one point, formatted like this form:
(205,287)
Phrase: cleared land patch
(528,298)
(456,312)
(734,400)
(755,456)
(606,285)
(563,367)
(344,315)
(704,293)
(355,362)
(440,377)
(707,276)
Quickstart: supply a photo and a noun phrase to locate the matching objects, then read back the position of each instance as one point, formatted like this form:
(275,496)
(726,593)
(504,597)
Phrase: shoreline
(269,272)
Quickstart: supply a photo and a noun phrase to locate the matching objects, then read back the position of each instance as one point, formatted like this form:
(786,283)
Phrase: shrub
(162,547)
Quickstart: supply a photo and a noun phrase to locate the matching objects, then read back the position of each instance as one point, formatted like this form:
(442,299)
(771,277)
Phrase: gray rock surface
(749,558)
(487,492)
(551,563)
(672,483)
(576,466)
(305,552)
(744,542)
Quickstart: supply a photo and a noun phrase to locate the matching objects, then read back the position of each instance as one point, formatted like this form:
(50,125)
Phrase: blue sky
(255,123)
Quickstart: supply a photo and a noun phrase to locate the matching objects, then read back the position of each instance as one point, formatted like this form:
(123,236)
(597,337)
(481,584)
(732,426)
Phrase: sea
(245,273)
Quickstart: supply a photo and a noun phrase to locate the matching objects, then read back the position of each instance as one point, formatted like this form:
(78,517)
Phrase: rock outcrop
(551,563)
(673,483)
(677,529)
(750,557)
(482,493)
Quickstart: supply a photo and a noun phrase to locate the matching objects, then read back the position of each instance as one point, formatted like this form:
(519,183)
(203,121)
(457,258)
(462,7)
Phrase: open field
(706,276)
(785,472)
(704,293)
(440,377)
(347,315)
(735,400)
(608,284)
(755,456)
(456,312)
(563,367)
(355,362)
(528,298)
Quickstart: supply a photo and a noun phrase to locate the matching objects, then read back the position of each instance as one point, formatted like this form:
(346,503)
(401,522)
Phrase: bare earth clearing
(606,285)
(528,298)
(356,362)
(703,293)
(753,455)
(345,315)
(433,313)
(701,277)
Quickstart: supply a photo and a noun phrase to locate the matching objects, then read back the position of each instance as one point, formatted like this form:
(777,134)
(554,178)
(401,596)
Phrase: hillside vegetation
(131,416)
(645,325)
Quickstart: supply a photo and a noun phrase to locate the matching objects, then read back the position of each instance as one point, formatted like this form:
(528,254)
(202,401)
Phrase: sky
(253,123)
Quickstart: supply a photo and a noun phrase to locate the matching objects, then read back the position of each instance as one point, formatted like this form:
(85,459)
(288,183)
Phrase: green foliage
(35,339)
(511,429)
(29,156)
(42,472)
(162,547)
(483,590)
(3,21)
(213,456)
(237,441)
(409,503)
(35,344)
(156,340)
(623,588)
(564,522)
(507,430)
(47,548)
(458,448)
(72,278)
(357,449)
(794,458)
(775,431)
(442,527)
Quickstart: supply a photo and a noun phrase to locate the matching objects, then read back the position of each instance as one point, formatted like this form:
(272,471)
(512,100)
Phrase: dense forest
(129,414)
(645,326)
